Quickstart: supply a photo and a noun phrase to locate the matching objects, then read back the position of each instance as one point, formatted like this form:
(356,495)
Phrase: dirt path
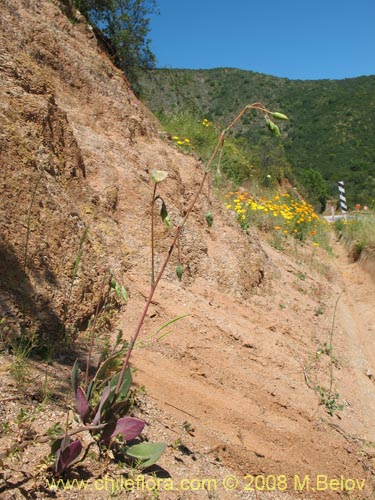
(354,342)
(235,368)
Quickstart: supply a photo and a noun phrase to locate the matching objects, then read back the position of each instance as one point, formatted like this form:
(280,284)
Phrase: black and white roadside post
(344,206)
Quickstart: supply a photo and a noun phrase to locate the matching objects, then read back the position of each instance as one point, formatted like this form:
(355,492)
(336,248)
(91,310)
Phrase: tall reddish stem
(152,237)
(154,285)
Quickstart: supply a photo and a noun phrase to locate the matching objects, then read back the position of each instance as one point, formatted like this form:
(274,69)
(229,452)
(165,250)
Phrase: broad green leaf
(276,130)
(121,292)
(125,386)
(107,365)
(168,222)
(147,453)
(90,389)
(158,175)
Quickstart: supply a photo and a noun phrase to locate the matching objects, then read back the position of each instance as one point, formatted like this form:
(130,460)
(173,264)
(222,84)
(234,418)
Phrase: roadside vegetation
(283,216)
(269,202)
(197,134)
(358,235)
(265,164)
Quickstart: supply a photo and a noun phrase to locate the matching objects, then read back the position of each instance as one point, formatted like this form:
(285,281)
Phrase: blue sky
(297,39)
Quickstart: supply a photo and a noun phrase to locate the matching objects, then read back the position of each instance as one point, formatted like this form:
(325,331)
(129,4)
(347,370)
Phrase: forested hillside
(331,127)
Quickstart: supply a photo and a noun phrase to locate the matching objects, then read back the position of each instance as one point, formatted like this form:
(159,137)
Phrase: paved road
(330,218)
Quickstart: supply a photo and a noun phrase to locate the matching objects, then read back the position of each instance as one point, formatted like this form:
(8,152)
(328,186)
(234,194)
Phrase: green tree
(125,24)
(314,188)
(270,159)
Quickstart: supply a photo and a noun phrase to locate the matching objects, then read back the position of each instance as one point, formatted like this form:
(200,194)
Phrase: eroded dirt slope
(77,149)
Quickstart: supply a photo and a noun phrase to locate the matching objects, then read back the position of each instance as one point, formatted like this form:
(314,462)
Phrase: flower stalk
(155,280)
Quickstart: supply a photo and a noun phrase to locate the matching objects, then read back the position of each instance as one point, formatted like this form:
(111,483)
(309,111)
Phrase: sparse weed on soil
(328,396)
(330,400)
(20,346)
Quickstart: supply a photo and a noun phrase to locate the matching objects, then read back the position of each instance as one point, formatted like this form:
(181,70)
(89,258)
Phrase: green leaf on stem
(107,367)
(125,386)
(164,215)
(120,290)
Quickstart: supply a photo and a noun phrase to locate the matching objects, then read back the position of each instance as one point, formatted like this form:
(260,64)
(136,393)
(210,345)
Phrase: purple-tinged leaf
(66,456)
(129,427)
(82,404)
(103,399)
